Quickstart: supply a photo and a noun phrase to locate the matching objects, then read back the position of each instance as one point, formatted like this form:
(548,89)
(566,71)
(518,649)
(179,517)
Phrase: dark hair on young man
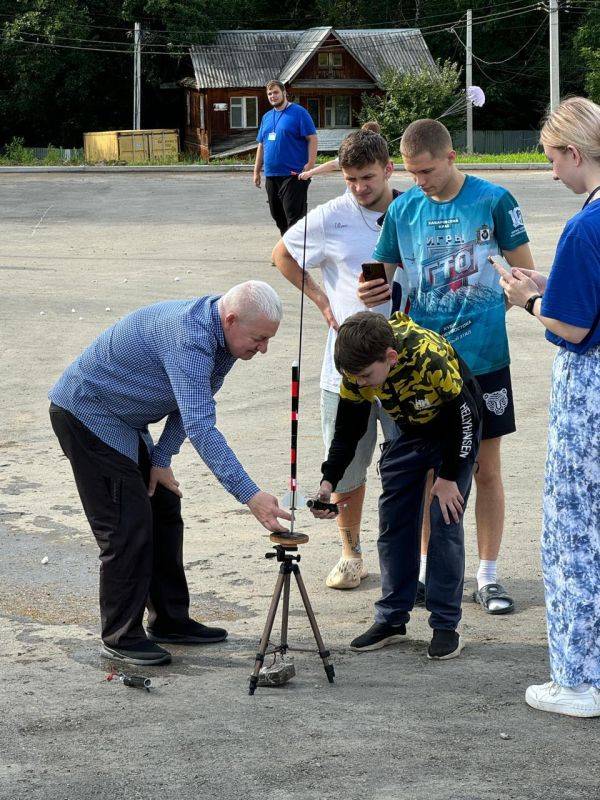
(361,340)
(425,135)
(361,148)
(275,83)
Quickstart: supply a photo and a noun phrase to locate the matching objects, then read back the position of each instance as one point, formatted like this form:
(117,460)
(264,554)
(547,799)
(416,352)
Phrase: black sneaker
(444,645)
(143,653)
(420,598)
(189,632)
(379,635)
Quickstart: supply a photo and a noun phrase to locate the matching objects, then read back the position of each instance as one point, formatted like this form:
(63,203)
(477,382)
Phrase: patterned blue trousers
(571,520)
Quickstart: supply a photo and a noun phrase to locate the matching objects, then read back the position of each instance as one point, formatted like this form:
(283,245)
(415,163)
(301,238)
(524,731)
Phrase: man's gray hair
(253,298)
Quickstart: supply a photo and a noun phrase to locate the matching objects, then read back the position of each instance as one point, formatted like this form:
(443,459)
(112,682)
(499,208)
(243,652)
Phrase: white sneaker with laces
(562,700)
(347,574)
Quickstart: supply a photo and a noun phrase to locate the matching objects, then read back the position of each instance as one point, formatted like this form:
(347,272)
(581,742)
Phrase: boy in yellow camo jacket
(418,378)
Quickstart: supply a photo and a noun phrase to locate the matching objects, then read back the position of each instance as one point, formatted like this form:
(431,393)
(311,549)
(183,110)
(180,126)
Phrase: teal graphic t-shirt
(443,248)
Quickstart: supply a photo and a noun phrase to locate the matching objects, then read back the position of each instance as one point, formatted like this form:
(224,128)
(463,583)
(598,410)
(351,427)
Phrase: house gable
(333,61)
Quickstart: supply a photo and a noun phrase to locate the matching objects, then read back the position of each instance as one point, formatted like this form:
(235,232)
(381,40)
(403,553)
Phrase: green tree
(587,44)
(410,96)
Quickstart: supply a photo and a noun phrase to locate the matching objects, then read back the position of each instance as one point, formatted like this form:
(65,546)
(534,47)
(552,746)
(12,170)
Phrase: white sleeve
(315,240)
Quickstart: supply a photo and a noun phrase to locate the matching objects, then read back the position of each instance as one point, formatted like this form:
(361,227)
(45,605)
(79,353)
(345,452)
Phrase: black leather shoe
(190,632)
(143,653)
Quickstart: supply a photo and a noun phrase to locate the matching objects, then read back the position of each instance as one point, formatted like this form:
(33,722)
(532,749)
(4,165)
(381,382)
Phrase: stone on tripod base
(277,674)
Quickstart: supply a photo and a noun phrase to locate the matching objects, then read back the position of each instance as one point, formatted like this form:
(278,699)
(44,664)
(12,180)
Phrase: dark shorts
(498,406)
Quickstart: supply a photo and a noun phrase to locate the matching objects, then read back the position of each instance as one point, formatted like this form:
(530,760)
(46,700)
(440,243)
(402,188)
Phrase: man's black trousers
(287,200)
(404,465)
(140,537)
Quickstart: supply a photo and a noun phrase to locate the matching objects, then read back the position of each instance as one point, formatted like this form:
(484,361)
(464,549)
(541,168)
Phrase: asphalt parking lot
(76,253)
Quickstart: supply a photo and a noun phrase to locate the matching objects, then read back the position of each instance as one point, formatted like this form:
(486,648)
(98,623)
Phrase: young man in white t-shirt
(340,236)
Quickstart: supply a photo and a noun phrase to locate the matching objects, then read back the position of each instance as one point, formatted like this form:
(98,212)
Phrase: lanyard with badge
(273,135)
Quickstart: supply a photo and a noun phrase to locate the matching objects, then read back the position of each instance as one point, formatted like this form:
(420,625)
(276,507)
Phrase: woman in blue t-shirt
(568,305)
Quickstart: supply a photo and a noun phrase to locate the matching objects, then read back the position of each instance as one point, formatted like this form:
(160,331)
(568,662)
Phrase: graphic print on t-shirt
(444,248)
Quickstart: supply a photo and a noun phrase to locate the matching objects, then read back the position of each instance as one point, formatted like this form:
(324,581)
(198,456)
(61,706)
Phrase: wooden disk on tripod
(289,539)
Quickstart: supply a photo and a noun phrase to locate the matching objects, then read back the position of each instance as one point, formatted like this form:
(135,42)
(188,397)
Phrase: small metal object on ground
(133,681)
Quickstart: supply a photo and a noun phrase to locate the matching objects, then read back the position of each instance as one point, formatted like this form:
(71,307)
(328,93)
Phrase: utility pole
(137,75)
(469,79)
(554,61)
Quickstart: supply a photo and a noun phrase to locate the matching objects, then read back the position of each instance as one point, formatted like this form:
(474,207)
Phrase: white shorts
(356,473)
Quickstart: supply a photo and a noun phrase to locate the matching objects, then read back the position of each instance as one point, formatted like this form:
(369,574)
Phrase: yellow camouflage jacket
(426,376)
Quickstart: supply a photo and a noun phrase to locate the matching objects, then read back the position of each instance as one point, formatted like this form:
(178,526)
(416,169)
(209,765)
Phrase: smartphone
(372,270)
(500,261)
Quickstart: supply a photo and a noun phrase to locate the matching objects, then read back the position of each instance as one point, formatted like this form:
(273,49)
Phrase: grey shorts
(356,474)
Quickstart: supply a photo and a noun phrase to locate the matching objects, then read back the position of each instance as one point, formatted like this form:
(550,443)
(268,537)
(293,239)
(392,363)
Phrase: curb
(187,168)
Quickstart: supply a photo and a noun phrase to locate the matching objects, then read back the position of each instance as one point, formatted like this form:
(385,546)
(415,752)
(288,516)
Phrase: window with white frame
(337,111)
(243,112)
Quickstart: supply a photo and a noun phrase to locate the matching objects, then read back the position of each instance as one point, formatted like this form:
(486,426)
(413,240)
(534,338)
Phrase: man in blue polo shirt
(287,145)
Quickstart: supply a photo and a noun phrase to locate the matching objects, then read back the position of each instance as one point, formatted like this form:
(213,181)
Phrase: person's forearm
(351,423)
(323,169)
(459,419)
(570,333)
(169,444)
(312,152)
(258,163)
(292,271)
(213,449)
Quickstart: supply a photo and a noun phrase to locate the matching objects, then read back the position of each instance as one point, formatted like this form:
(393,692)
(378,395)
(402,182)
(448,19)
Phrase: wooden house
(325,70)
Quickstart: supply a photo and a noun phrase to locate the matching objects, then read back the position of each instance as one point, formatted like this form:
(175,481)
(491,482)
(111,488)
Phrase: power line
(176,49)
(505,60)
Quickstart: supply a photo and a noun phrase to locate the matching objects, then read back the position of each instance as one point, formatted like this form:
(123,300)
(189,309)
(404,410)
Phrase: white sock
(487,573)
(583,687)
(422,568)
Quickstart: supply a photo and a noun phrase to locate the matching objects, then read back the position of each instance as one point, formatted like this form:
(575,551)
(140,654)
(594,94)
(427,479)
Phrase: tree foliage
(587,44)
(52,92)
(409,96)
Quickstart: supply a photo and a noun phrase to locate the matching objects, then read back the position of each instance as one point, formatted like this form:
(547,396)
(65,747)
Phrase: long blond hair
(575,122)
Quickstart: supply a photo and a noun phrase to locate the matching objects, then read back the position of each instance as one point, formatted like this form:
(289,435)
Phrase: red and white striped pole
(294,441)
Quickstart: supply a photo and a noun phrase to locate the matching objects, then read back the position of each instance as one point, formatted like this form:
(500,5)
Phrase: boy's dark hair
(361,148)
(275,83)
(361,340)
(425,136)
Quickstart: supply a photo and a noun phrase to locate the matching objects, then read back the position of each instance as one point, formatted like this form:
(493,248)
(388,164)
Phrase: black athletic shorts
(498,406)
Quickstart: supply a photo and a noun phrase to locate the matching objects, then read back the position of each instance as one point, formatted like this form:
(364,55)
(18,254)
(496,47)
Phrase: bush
(411,96)
(15,152)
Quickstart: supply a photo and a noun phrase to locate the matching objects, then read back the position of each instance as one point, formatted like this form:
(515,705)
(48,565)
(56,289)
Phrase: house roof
(237,59)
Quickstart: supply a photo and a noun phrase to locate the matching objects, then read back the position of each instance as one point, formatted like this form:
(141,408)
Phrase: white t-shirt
(340,237)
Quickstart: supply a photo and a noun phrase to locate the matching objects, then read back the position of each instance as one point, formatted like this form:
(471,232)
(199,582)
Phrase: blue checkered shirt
(165,360)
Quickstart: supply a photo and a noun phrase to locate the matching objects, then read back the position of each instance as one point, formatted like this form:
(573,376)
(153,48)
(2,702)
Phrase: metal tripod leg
(264,642)
(329,671)
(285,608)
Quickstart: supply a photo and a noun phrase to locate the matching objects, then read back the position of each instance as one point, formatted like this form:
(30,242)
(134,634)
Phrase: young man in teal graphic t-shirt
(441,232)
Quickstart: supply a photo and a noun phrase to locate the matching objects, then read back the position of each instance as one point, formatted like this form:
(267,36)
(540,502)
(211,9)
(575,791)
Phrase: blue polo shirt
(283,137)
(573,291)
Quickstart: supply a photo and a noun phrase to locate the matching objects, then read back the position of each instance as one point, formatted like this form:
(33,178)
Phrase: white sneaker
(347,574)
(561,700)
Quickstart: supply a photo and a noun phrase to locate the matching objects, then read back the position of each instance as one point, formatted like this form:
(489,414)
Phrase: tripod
(284,555)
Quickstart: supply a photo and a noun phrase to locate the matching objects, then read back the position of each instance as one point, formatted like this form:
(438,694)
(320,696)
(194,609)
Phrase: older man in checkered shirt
(165,360)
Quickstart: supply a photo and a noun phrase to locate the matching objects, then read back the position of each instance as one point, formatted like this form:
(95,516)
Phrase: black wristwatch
(529,304)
